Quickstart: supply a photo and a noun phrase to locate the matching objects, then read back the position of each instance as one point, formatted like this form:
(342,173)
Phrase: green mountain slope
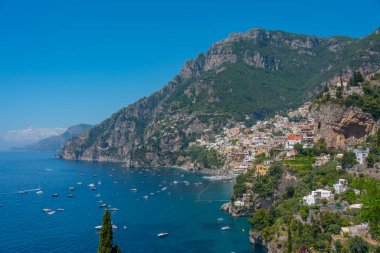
(245,77)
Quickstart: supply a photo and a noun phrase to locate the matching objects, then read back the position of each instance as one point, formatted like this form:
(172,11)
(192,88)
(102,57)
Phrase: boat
(79,183)
(164,189)
(93,189)
(103,205)
(161,235)
(22,192)
(71,189)
(133,190)
(97,195)
(51,213)
(60,209)
(113,209)
(91,185)
(54,195)
(225,228)
(145,197)
(98,227)
(46,210)
(39,192)
(220,219)
(70,195)
(99,182)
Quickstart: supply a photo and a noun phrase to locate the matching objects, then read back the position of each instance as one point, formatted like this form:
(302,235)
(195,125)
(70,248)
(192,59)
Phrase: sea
(176,202)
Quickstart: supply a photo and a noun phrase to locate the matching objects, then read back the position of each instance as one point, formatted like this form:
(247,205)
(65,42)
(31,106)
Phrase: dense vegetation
(106,236)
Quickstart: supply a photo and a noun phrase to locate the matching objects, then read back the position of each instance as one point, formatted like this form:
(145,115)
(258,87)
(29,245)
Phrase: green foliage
(106,236)
(208,158)
(358,245)
(348,160)
(370,198)
(356,78)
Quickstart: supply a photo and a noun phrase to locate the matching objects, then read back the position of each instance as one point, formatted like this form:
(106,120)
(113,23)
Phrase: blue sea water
(188,212)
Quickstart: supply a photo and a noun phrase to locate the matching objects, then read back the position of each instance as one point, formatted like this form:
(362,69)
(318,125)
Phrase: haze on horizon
(71,62)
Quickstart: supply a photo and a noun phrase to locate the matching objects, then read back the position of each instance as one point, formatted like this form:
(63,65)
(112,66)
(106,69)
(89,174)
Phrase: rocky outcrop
(255,74)
(341,126)
(277,245)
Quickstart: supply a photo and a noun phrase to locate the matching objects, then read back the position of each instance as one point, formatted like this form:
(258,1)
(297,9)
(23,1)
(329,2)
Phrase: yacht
(91,185)
(133,190)
(46,210)
(54,195)
(160,235)
(39,192)
(225,228)
(103,205)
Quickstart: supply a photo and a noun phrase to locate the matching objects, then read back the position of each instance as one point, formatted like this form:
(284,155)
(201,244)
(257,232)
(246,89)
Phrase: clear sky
(73,61)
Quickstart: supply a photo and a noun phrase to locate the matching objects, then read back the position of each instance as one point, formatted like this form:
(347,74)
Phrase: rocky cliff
(245,77)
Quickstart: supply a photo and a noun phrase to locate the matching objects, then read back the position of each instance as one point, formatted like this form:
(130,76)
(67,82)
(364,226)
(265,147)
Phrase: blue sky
(74,61)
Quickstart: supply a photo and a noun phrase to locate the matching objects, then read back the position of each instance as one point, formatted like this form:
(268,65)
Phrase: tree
(298,148)
(339,92)
(348,160)
(358,245)
(370,211)
(106,236)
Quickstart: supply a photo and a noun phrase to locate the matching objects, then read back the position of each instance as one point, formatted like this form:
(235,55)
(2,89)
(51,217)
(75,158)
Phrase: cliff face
(247,76)
(340,126)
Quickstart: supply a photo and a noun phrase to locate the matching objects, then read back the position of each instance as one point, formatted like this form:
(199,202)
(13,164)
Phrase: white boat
(70,195)
(39,192)
(164,189)
(175,182)
(54,195)
(51,213)
(225,228)
(91,185)
(113,209)
(133,190)
(97,195)
(22,192)
(102,205)
(220,219)
(160,235)
(46,210)
(60,209)
(93,189)
(79,183)
(145,197)
(71,189)
(100,227)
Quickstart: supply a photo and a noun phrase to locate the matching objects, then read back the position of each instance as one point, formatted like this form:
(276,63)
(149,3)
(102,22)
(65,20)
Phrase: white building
(314,195)
(239,203)
(292,140)
(361,155)
(341,186)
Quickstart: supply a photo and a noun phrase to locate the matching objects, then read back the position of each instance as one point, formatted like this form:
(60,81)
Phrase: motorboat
(103,205)
(133,190)
(146,197)
(51,213)
(93,189)
(39,192)
(22,192)
(164,189)
(54,195)
(46,210)
(161,235)
(71,189)
(60,209)
(79,183)
(97,195)
(91,185)
(70,195)
(225,228)
(113,209)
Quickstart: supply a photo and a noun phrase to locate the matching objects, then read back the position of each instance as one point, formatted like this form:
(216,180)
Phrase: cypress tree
(105,245)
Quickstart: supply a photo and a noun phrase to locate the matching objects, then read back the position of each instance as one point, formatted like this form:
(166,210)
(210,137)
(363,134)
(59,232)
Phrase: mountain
(245,77)
(57,143)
